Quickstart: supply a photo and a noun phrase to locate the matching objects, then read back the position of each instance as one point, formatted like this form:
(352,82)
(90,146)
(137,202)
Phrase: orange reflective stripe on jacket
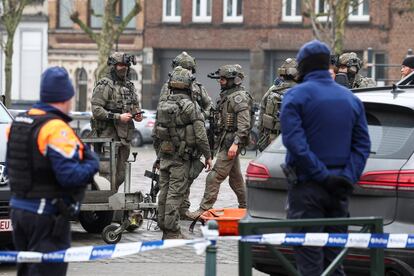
(60,137)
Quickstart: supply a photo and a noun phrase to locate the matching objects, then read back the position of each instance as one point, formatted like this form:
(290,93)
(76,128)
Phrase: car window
(391,130)
(4,116)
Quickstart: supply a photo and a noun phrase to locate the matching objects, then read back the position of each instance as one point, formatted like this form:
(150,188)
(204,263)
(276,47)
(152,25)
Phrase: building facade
(29,57)
(71,48)
(259,35)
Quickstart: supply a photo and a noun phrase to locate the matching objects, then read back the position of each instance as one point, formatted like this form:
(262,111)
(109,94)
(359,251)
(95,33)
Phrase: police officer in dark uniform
(48,168)
(325,132)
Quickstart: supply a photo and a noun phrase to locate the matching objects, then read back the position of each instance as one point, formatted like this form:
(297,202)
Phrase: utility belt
(168,149)
(230,128)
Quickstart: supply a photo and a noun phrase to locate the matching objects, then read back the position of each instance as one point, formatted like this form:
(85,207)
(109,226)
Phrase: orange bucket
(227,220)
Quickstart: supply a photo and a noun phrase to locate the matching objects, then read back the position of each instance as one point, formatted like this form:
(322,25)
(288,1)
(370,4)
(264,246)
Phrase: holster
(63,216)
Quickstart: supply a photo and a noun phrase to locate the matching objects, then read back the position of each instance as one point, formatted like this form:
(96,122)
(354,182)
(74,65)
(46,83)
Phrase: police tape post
(92,253)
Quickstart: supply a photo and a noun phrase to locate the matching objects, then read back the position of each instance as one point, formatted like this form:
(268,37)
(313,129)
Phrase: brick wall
(263,31)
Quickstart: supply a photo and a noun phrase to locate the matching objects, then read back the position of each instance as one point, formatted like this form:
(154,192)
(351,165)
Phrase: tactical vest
(122,99)
(30,173)
(227,121)
(174,128)
(270,118)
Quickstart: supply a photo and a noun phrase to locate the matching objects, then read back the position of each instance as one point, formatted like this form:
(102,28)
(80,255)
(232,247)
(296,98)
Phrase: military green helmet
(288,68)
(180,78)
(121,58)
(184,60)
(229,71)
(350,59)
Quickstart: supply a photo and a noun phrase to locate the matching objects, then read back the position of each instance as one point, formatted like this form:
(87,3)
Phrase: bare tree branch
(75,18)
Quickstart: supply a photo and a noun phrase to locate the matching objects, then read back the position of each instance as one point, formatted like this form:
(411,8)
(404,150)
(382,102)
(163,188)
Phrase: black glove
(338,186)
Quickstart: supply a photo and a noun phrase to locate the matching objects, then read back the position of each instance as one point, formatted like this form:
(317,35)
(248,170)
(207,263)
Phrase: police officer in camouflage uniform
(235,120)
(180,134)
(199,95)
(114,106)
(269,124)
(348,67)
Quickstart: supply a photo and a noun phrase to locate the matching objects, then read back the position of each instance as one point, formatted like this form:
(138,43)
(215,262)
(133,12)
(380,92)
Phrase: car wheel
(253,141)
(137,139)
(95,221)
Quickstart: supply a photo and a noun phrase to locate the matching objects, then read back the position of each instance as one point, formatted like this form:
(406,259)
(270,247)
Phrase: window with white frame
(359,10)
(233,11)
(171,11)
(202,10)
(321,10)
(292,11)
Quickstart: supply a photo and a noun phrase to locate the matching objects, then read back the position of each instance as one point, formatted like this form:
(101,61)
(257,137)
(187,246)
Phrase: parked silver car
(143,129)
(386,188)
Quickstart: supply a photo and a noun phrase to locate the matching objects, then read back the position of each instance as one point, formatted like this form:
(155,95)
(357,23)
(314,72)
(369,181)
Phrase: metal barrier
(211,252)
(250,226)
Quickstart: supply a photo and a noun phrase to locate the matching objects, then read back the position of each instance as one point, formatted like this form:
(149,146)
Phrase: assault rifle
(155,186)
(211,130)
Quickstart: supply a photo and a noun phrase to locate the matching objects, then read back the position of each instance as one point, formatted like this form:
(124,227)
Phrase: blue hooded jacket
(324,128)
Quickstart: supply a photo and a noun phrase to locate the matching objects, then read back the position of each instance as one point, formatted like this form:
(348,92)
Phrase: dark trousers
(33,232)
(311,200)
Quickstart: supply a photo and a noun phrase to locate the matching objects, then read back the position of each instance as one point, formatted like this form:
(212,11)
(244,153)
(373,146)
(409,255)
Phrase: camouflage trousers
(222,168)
(196,168)
(173,186)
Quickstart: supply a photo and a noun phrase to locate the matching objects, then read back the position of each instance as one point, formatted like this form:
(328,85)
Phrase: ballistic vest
(30,173)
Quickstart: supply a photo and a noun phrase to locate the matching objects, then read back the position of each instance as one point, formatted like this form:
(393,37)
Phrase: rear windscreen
(391,130)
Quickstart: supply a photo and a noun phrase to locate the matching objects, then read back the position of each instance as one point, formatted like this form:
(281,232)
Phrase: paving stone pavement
(227,250)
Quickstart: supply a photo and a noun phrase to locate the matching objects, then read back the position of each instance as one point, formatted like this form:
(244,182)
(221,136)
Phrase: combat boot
(173,235)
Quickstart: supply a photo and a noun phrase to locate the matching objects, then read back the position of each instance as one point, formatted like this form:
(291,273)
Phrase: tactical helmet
(288,68)
(350,60)
(180,78)
(184,60)
(121,58)
(230,71)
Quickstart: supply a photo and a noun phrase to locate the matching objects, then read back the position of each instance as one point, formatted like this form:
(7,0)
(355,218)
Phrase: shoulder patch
(238,99)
